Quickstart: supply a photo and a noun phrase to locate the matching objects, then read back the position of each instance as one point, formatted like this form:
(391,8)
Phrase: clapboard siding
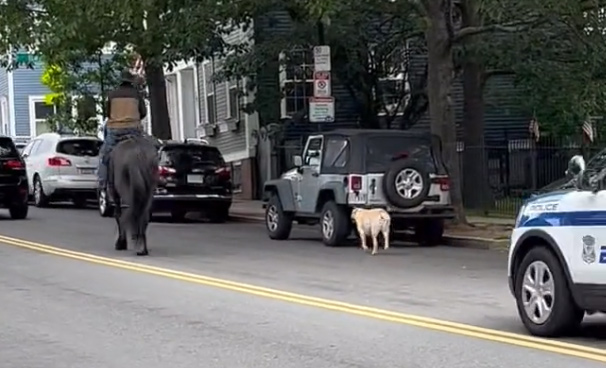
(4,125)
(26,83)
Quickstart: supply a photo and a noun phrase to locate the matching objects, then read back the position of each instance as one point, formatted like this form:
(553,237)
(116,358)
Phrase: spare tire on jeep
(406,183)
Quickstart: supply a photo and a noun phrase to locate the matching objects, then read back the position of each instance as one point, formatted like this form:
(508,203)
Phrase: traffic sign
(322,58)
(322,84)
(321,109)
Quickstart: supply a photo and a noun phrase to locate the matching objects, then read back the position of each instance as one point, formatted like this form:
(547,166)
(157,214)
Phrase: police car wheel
(543,298)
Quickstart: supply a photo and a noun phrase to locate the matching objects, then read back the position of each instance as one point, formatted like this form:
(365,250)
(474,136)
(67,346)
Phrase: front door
(309,181)
(587,250)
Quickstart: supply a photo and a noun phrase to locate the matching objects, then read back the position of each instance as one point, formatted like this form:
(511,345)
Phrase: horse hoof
(143,253)
(121,244)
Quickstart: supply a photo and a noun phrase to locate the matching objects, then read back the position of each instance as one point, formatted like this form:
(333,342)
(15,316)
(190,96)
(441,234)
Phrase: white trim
(5,116)
(11,101)
(236,156)
(183,64)
(197,92)
(32,100)
(206,120)
(180,104)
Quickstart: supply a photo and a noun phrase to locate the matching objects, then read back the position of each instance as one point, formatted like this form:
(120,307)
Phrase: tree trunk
(476,190)
(157,99)
(439,85)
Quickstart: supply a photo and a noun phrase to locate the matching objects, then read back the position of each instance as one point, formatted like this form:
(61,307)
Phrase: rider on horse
(125,109)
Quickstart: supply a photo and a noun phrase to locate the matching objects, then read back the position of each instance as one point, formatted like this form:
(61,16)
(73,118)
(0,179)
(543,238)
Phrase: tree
(163,32)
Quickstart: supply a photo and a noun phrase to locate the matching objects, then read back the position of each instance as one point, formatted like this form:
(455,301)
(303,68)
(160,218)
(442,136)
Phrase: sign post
(322,105)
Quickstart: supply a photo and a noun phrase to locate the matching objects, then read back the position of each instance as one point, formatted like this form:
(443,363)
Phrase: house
(22,108)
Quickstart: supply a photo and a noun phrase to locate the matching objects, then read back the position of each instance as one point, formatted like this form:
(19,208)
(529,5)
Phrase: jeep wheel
(335,224)
(543,297)
(406,184)
(278,222)
(429,232)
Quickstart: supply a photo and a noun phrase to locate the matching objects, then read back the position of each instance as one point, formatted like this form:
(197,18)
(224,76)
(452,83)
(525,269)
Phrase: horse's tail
(142,185)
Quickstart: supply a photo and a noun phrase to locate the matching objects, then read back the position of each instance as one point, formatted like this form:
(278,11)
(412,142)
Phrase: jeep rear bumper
(441,212)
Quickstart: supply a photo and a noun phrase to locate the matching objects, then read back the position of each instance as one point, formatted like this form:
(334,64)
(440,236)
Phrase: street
(75,313)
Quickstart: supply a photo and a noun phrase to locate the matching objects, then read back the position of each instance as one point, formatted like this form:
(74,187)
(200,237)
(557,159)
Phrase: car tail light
(444,183)
(224,173)
(165,171)
(59,161)
(14,165)
(355,183)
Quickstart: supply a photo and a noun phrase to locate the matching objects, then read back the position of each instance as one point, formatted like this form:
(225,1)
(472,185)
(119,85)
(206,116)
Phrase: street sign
(321,109)
(322,84)
(322,58)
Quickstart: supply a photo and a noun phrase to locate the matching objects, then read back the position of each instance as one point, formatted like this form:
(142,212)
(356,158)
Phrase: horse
(133,176)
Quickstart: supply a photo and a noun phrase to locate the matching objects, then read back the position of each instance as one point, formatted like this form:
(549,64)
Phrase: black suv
(193,177)
(13,180)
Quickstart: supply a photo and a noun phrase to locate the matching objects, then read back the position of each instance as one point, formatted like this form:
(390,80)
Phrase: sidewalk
(486,233)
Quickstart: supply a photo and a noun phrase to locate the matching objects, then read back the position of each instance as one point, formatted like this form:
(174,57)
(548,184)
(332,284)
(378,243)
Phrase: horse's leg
(121,240)
(141,231)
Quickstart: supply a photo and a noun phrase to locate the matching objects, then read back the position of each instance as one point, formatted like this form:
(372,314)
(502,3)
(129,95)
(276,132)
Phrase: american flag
(533,129)
(588,130)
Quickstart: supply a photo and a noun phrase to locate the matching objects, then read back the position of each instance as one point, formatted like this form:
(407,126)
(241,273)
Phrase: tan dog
(372,222)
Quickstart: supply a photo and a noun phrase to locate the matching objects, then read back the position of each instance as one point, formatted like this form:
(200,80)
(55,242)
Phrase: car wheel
(335,224)
(40,199)
(543,297)
(19,211)
(219,215)
(429,232)
(277,222)
(177,215)
(105,207)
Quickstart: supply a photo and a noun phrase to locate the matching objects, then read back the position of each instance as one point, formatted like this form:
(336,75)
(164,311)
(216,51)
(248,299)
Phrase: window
(7,148)
(296,80)
(39,111)
(209,92)
(393,89)
(34,148)
(383,150)
(313,152)
(337,152)
(233,99)
(80,147)
(191,155)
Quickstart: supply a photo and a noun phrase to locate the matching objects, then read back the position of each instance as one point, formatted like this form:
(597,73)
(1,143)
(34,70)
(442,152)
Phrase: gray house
(239,135)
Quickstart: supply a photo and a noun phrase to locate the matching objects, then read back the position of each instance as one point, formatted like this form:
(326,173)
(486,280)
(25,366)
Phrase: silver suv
(399,171)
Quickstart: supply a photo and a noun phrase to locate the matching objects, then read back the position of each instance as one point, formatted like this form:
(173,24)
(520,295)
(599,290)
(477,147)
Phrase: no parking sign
(322,84)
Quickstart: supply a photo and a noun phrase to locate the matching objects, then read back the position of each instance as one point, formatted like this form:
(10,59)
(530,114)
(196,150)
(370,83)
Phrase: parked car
(401,172)
(13,180)
(62,167)
(193,177)
(557,257)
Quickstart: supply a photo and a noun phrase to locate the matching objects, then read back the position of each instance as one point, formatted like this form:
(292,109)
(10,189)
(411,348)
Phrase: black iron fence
(516,169)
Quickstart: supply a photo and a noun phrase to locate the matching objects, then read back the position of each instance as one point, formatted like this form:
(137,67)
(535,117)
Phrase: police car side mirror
(576,166)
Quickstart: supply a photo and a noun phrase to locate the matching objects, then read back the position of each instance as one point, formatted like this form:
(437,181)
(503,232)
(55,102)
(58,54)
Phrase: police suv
(557,258)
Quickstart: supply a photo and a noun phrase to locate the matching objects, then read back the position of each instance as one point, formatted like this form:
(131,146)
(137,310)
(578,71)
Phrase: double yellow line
(530,342)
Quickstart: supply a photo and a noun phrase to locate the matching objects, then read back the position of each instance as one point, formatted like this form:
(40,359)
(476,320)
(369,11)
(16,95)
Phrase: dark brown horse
(133,175)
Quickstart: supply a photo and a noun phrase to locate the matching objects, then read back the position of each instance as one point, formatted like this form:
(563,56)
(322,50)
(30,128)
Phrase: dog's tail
(385,217)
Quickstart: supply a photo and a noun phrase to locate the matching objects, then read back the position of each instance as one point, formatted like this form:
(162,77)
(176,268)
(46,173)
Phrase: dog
(372,222)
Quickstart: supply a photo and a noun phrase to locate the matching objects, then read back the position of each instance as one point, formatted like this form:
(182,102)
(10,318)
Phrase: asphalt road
(79,314)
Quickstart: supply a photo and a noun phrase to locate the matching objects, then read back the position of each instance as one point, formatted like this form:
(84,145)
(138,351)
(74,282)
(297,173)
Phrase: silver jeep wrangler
(399,171)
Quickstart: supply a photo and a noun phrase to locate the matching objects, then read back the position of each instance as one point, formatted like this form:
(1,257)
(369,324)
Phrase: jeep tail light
(355,183)
(165,171)
(224,173)
(444,183)
(14,165)
(58,161)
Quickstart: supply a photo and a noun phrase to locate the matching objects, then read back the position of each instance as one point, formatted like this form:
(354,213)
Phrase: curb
(468,242)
